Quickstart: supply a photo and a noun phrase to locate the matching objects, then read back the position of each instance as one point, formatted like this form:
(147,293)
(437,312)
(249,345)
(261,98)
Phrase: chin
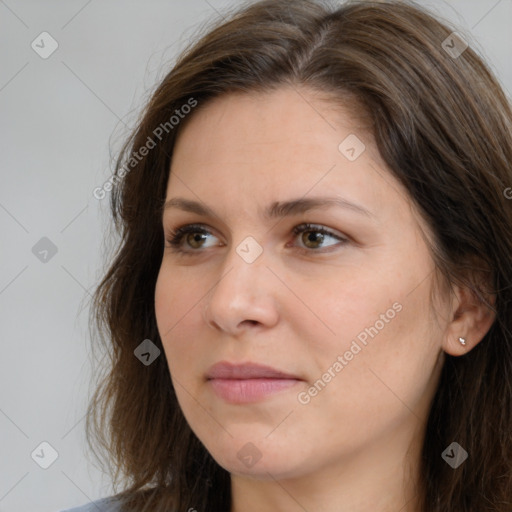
(262,470)
(259,458)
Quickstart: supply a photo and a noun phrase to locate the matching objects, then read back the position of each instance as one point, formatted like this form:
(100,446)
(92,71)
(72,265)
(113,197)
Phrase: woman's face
(343,315)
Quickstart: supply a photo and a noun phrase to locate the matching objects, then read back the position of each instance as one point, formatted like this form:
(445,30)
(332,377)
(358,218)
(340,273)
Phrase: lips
(225,370)
(248,383)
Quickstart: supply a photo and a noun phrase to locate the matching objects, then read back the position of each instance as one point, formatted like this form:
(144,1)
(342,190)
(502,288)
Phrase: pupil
(197,237)
(314,237)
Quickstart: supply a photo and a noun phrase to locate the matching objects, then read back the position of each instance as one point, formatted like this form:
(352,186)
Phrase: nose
(245,296)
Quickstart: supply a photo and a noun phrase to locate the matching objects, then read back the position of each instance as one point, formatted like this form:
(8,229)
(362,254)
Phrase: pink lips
(249,382)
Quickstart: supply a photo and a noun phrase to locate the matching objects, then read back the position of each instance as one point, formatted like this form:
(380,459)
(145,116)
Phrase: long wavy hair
(443,126)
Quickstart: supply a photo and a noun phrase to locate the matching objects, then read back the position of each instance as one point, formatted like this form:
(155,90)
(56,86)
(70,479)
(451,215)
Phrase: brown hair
(442,124)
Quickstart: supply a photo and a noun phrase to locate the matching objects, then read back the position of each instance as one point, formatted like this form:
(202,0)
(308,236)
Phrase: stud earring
(462,341)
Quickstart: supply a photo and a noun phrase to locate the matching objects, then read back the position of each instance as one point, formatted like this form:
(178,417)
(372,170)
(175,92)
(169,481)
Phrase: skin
(355,445)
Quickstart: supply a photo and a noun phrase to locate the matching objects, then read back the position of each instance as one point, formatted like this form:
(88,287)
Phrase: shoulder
(102,505)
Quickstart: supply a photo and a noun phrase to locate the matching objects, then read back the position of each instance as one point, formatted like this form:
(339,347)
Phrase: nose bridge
(243,268)
(242,290)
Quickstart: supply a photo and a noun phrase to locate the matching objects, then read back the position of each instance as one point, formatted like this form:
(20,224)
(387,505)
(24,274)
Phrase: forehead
(285,118)
(285,133)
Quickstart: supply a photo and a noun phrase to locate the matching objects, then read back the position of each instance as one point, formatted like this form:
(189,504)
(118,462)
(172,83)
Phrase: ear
(471,320)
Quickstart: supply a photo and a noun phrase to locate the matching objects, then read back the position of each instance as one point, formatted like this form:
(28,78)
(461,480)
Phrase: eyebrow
(275,210)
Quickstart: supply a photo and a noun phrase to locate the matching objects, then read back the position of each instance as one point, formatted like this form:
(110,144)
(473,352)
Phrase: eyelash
(174,237)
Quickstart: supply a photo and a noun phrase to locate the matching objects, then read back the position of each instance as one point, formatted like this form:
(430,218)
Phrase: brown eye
(192,236)
(195,239)
(313,236)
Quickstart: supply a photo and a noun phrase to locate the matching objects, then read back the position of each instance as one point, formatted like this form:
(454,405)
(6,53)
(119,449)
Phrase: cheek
(378,385)
(399,351)
(177,312)
(166,304)
(345,307)
(176,294)
(377,321)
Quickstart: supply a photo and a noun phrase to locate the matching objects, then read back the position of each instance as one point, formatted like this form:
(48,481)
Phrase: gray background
(60,119)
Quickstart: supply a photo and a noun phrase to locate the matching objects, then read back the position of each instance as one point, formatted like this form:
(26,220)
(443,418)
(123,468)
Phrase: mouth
(250,382)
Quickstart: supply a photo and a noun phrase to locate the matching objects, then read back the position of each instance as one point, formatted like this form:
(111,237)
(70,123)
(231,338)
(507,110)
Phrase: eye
(315,235)
(194,235)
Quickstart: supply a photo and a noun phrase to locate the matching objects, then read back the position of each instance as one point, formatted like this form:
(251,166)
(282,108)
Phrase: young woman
(310,308)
